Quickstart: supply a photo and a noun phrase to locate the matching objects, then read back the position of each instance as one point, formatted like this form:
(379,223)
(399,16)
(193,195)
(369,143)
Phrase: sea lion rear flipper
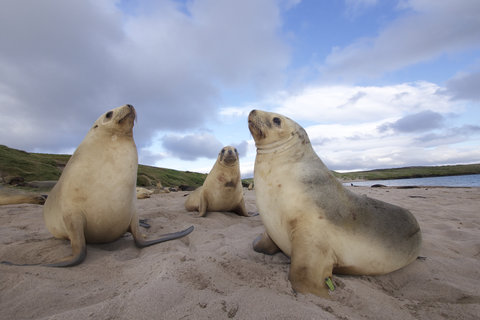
(141,243)
(264,244)
(144,223)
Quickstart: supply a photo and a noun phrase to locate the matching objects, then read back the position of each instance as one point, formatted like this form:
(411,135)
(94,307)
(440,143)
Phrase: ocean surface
(470,180)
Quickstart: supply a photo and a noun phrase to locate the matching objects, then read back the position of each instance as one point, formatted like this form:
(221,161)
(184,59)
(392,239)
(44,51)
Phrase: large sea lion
(313,219)
(94,199)
(222,189)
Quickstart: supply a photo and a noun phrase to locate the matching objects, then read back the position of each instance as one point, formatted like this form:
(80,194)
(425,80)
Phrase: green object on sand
(329,283)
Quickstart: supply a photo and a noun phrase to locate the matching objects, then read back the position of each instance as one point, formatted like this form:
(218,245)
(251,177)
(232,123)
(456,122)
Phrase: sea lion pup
(94,199)
(222,189)
(313,219)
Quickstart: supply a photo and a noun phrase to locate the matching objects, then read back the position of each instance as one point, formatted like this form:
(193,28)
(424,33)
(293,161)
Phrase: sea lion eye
(277,121)
(109,114)
(223,151)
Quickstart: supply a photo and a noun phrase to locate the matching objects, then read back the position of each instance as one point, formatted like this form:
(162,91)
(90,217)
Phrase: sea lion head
(228,156)
(272,130)
(119,120)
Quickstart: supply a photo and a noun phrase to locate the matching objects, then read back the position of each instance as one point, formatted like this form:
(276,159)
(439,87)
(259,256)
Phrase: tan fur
(312,218)
(143,193)
(94,199)
(222,189)
(98,182)
(19,198)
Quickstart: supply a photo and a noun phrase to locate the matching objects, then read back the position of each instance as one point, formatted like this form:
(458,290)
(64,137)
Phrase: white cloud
(465,86)
(241,148)
(355,8)
(361,147)
(354,104)
(416,122)
(235,112)
(191,147)
(355,127)
(426,30)
(63,63)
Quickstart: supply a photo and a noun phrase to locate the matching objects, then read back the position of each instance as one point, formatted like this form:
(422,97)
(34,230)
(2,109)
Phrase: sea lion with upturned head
(94,199)
(313,219)
(222,189)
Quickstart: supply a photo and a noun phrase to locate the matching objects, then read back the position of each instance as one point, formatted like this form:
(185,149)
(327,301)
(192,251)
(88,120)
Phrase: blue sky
(376,84)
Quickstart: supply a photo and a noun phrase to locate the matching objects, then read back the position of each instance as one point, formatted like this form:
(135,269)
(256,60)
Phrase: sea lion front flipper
(264,244)
(308,269)
(75,227)
(141,243)
(241,209)
(202,206)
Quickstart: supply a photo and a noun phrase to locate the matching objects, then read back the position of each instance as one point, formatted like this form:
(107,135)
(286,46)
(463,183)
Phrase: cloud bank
(425,31)
(368,127)
(63,63)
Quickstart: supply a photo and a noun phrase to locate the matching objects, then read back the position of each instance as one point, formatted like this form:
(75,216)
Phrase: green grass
(148,176)
(42,166)
(246,182)
(410,172)
(30,166)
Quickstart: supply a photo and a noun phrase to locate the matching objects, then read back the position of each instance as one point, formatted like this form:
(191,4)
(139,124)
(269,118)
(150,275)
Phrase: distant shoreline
(409,172)
(44,167)
(471,180)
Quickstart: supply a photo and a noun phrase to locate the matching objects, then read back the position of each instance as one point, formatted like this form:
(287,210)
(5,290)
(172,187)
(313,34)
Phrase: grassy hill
(41,166)
(410,172)
(31,166)
(148,176)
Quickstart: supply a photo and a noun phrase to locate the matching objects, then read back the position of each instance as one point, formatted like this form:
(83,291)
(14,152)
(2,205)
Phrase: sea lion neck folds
(312,218)
(279,146)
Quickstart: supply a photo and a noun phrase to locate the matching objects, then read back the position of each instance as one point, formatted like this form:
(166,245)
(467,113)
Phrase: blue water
(470,180)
